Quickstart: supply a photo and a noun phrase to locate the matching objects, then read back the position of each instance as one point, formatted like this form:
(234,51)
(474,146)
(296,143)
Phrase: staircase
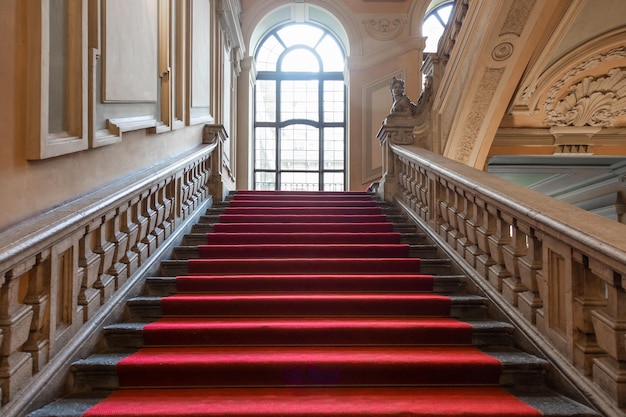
(308,304)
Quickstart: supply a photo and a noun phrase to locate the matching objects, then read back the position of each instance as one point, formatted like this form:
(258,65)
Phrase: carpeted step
(314,402)
(303,211)
(304,266)
(128,337)
(510,368)
(275,283)
(469,307)
(305,227)
(250,202)
(306,331)
(440,284)
(414,251)
(302,218)
(309,304)
(173,267)
(300,250)
(301,238)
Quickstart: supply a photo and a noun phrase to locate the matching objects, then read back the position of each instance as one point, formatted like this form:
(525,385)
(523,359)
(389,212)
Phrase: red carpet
(307,304)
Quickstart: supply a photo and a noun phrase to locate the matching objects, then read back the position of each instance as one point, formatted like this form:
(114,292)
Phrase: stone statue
(402,105)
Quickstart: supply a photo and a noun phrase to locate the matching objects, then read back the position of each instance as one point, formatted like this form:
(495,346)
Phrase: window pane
(333,181)
(433,30)
(300,60)
(334,151)
(265,148)
(332,56)
(268,54)
(299,181)
(333,101)
(299,148)
(444,13)
(299,100)
(265,181)
(265,101)
(300,35)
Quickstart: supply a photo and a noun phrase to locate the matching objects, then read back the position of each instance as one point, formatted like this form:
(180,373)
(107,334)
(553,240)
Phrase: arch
(261,21)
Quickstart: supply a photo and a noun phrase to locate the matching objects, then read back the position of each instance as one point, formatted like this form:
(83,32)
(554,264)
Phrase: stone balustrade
(66,267)
(557,270)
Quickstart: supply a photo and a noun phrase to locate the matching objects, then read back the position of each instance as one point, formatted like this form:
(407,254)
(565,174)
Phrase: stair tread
(549,403)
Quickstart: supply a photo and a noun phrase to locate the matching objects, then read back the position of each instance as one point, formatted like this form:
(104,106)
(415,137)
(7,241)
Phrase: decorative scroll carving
(594,101)
(385,28)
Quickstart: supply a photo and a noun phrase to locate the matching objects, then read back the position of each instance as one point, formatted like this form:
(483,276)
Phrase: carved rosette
(593,101)
(384,28)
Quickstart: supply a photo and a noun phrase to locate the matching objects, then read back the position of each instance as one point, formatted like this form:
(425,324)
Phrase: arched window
(300,102)
(435,22)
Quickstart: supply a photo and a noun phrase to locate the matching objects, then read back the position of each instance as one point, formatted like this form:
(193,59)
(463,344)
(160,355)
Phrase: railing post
(216,134)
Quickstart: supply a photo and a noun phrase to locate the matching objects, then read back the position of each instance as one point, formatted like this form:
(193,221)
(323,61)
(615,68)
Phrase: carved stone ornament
(384,28)
(593,101)
(617,53)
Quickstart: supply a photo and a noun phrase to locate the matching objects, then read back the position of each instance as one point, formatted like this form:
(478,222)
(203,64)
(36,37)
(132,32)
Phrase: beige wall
(32,179)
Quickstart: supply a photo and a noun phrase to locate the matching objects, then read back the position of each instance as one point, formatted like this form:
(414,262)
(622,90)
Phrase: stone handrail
(65,270)
(558,271)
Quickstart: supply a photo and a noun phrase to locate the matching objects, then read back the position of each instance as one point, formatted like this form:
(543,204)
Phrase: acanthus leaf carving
(593,101)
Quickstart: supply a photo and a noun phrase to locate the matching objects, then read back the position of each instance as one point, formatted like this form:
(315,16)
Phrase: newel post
(210,135)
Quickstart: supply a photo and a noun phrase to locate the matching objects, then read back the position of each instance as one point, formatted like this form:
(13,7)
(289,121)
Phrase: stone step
(548,403)
(413,238)
(443,284)
(402,227)
(520,370)
(128,337)
(176,267)
(415,251)
(464,307)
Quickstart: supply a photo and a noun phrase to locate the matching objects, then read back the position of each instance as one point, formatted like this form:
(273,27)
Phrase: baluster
(529,266)
(38,297)
(131,231)
(89,296)
(105,250)
(159,210)
(452,232)
(500,237)
(487,226)
(141,220)
(588,296)
(443,200)
(512,286)
(148,212)
(610,328)
(118,269)
(16,366)
(472,251)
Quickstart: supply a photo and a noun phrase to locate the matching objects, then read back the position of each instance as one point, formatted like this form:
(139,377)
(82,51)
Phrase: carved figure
(402,105)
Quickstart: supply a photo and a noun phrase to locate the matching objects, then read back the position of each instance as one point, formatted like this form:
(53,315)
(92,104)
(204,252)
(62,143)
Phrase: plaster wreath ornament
(593,101)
